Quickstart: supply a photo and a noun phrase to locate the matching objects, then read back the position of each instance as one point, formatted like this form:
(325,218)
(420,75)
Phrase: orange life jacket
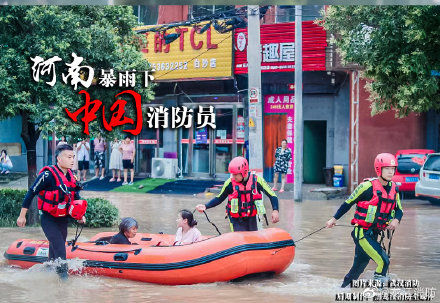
(376,213)
(242,201)
(56,200)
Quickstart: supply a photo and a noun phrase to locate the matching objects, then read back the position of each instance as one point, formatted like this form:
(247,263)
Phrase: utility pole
(54,147)
(299,126)
(254,91)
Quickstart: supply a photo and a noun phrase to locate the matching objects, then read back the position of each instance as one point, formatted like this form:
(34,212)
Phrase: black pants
(366,248)
(243,224)
(55,230)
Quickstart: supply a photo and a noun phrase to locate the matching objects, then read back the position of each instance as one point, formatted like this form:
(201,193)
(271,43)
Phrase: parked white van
(429,184)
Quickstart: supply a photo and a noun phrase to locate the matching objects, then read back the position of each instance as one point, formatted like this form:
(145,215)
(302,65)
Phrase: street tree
(397,49)
(102,35)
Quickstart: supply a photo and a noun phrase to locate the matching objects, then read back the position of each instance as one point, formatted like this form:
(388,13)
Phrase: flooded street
(320,263)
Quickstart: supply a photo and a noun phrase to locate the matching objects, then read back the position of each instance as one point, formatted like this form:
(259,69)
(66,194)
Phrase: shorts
(99,159)
(243,224)
(83,165)
(126,164)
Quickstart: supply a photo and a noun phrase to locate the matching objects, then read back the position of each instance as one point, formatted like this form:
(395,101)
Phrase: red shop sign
(147,141)
(278,48)
(217,141)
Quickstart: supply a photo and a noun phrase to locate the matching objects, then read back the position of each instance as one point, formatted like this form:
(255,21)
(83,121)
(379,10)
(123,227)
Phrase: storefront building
(194,70)
(186,78)
(325,98)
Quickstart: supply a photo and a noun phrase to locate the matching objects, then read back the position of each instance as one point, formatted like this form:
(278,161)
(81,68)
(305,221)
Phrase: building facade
(209,69)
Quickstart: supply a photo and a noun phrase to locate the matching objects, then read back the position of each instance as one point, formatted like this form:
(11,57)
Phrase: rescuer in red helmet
(245,200)
(378,209)
(58,198)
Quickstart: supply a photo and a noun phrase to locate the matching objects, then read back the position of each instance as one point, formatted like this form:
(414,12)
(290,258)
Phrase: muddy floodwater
(320,263)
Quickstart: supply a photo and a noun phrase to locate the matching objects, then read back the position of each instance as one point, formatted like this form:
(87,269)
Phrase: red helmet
(384,160)
(239,165)
(77,209)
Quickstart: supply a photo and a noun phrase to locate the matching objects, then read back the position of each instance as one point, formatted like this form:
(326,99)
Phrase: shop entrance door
(201,151)
(213,149)
(228,139)
(146,150)
(223,147)
(315,134)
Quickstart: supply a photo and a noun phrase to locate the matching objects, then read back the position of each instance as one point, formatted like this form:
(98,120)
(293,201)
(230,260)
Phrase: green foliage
(101,213)
(102,35)
(10,206)
(397,47)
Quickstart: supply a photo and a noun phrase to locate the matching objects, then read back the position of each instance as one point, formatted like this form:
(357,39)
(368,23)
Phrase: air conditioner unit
(163,168)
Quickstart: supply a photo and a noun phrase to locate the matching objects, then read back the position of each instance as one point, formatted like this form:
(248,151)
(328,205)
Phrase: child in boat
(127,229)
(187,233)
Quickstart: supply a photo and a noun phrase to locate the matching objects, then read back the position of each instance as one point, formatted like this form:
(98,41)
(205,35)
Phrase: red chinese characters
(118,109)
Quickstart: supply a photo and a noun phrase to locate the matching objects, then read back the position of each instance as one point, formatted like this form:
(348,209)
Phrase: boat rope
(311,233)
(318,230)
(77,234)
(389,235)
(207,218)
(344,225)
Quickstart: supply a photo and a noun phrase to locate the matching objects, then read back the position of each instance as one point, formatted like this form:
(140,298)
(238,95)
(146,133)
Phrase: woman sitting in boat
(187,233)
(127,229)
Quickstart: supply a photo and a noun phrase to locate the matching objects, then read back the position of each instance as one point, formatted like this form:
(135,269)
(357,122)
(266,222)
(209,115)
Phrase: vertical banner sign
(284,104)
(241,125)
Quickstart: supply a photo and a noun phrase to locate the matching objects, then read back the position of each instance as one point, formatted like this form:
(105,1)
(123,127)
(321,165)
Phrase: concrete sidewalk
(20,183)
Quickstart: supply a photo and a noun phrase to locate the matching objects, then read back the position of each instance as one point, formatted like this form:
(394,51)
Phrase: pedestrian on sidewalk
(378,209)
(245,200)
(62,141)
(283,155)
(99,156)
(5,162)
(128,153)
(83,148)
(116,160)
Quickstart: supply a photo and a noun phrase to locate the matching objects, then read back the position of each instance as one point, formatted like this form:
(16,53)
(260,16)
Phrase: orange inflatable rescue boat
(222,258)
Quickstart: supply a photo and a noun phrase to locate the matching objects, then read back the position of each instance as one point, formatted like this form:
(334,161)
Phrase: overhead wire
(239,11)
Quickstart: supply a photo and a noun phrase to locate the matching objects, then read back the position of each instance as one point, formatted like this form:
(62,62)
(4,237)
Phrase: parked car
(409,162)
(429,184)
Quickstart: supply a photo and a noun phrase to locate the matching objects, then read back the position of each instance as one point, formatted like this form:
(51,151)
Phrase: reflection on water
(320,262)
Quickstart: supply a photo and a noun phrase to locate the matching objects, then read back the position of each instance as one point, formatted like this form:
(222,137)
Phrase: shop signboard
(147,141)
(216,141)
(278,48)
(191,56)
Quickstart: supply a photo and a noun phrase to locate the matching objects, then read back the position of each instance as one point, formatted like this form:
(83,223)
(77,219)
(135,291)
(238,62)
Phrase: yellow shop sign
(190,56)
